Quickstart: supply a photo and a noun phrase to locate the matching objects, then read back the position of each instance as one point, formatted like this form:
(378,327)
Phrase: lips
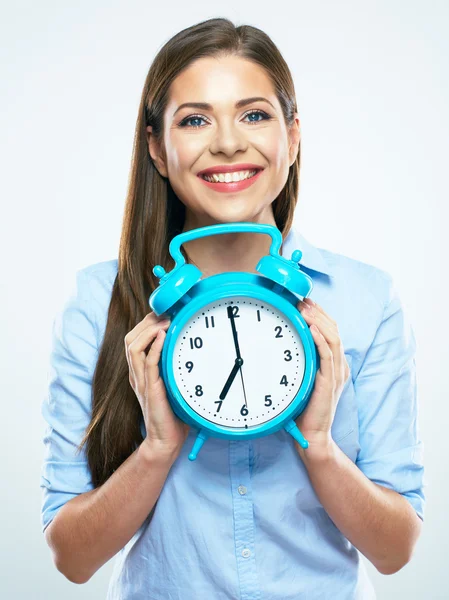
(230,169)
(232,186)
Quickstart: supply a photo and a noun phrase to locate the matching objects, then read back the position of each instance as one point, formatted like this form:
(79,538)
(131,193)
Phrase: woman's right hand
(166,433)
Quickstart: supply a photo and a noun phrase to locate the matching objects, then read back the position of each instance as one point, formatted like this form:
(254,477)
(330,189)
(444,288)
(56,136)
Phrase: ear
(294,133)
(156,152)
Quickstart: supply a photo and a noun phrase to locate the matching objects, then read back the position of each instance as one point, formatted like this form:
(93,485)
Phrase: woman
(251,519)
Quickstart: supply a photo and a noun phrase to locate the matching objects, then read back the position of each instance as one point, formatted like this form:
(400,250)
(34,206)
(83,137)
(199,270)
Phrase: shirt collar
(311,257)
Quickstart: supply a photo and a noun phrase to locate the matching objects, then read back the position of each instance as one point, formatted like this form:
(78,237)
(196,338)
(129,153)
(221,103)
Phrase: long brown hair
(153,216)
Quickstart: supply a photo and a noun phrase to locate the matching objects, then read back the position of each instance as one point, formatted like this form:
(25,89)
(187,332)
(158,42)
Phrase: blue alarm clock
(238,360)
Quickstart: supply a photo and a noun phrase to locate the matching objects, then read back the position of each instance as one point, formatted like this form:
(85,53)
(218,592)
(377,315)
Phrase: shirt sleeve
(67,406)
(391,451)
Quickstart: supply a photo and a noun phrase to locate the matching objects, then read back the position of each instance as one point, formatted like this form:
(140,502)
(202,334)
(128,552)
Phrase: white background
(372,88)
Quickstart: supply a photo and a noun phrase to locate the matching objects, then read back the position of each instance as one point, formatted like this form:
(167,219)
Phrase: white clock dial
(265,383)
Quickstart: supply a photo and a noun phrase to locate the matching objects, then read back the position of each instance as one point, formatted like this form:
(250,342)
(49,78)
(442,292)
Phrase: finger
(333,340)
(326,357)
(309,310)
(150,319)
(152,360)
(326,325)
(328,328)
(137,350)
(132,376)
(319,309)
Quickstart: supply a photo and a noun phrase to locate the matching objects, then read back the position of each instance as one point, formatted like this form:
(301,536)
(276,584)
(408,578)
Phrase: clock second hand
(244,393)
(236,344)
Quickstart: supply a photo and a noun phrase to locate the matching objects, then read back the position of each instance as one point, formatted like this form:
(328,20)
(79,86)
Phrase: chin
(234,218)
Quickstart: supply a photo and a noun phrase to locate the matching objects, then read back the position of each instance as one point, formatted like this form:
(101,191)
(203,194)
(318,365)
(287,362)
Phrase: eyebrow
(239,104)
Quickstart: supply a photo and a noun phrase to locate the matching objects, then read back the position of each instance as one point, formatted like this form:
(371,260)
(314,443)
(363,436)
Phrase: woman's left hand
(316,419)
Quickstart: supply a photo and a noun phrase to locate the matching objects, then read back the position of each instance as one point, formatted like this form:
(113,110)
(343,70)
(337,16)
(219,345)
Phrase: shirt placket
(242,501)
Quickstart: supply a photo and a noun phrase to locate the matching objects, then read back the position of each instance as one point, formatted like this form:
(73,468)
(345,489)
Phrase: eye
(184,122)
(263,114)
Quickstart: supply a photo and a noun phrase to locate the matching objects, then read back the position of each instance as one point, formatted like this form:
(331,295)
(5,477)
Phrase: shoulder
(96,282)
(364,301)
(103,273)
(355,294)
(341,278)
(365,280)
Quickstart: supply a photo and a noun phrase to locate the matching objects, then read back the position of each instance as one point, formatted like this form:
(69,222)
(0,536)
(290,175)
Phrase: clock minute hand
(234,331)
(237,348)
(235,369)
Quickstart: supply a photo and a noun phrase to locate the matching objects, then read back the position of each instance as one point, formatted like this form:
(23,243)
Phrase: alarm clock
(238,359)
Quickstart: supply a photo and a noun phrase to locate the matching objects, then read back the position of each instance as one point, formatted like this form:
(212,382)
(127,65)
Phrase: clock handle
(200,439)
(222,228)
(293,430)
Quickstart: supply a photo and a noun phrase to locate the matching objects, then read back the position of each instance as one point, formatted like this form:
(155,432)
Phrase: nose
(228,139)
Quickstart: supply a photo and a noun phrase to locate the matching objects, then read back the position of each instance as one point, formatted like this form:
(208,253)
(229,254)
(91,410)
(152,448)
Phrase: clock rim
(213,289)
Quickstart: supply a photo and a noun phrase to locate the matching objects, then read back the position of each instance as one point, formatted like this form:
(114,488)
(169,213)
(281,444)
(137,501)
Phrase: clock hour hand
(235,369)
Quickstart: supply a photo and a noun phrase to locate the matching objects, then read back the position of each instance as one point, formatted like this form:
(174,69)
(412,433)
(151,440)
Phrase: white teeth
(229,177)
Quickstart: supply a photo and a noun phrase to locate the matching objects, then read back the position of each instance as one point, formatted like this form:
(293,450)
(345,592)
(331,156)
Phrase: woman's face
(200,137)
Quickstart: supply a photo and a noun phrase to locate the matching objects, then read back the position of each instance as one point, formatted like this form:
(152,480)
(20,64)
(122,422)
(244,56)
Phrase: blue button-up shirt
(242,521)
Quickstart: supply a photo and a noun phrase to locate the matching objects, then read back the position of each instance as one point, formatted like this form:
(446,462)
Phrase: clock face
(244,386)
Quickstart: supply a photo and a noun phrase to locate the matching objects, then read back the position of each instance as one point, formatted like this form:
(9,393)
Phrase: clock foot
(293,430)
(200,439)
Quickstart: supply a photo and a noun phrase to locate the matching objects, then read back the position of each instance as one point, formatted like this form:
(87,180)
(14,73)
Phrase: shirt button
(242,490)
(246,553)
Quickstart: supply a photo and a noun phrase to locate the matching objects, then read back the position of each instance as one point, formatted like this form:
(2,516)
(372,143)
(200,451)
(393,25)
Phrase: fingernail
(310,301)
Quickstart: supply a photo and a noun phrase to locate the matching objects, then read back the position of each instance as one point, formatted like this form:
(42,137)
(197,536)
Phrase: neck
(227,252)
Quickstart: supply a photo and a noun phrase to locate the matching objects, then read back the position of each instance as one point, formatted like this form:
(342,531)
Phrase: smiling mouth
(230,177)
